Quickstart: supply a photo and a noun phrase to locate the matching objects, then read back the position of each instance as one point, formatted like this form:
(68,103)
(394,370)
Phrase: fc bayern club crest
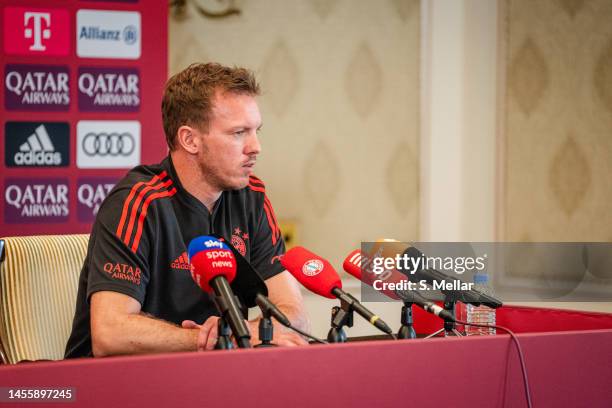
(238,238)
(312,267)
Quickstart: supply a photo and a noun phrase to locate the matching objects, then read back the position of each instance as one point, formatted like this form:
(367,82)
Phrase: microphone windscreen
(360,266)
(353,263)
(390,248)
(312,271)
(210,258)
(415,254)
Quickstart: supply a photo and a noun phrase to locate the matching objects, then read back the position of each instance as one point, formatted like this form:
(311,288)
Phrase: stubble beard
(214,177)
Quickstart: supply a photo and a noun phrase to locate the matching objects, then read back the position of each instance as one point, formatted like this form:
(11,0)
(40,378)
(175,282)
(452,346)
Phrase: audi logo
(108,144)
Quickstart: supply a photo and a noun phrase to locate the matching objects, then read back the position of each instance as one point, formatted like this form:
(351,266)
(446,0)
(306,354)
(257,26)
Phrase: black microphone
(267,306)
(423,303)
(430,276)
(250,284)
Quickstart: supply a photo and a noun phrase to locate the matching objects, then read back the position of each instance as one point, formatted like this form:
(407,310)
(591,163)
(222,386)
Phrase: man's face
(231,145)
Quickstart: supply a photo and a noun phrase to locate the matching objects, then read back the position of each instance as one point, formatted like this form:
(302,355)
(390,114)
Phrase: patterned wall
(340,109)
(557,126)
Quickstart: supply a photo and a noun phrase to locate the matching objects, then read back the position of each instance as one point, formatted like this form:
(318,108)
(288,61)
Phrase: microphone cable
(303,333)
(518,348)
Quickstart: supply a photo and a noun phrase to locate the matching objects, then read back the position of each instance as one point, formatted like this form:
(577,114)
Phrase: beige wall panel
(557,126)
(340,110)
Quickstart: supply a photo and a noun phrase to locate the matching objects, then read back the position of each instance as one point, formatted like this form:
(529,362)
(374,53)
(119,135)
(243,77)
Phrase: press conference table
(570,368)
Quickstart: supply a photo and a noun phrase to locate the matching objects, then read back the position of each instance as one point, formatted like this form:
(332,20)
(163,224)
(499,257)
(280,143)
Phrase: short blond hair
(188,95)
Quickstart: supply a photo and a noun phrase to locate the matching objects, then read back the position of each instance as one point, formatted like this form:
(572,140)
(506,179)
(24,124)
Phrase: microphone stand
(266,330)
(450,300)
(406,331)
(341,316)
(224,342)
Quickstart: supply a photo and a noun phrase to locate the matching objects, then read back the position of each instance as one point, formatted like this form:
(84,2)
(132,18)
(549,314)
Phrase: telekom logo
(35,31)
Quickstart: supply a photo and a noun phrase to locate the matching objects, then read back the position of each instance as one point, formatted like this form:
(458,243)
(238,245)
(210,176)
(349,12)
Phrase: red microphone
(213,267)
(210,258)
(318,276)
(360,266)
(312,271)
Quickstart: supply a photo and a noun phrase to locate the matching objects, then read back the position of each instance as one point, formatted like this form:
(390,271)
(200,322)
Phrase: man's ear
(188,138)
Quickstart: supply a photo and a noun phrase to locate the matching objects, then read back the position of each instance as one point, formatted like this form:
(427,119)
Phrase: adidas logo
(38,150)
(181,262)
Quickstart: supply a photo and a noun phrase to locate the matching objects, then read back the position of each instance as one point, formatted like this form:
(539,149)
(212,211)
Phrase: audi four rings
(108,144)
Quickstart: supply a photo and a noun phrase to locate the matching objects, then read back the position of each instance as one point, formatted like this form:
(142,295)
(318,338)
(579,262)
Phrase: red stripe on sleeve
(139,198)
(257,185)
(268,215)
(271,220)
(128,200)
(143,214)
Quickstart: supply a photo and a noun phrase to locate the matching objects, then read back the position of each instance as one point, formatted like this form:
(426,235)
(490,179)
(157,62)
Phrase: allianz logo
(129,34)
(38,150)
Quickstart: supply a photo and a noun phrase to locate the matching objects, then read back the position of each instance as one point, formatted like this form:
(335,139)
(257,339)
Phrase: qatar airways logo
(36,87)
(36,31)
(91,192)
(121,271)
(36,200)
(109,89)
(312,267)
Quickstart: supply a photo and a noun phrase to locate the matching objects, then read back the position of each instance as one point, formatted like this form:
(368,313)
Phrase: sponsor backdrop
(82,85)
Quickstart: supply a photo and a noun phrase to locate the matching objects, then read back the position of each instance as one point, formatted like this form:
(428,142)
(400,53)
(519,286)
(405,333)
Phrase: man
(136,294)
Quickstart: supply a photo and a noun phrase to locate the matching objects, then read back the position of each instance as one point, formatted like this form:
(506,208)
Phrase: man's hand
(208,333)
(119,327)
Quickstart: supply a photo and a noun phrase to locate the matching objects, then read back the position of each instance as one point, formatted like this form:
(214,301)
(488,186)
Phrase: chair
(38,286)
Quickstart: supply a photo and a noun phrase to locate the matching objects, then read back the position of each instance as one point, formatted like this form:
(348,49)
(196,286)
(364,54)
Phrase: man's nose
(253,146)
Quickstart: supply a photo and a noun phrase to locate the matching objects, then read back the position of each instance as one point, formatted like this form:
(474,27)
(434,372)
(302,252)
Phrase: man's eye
(239,132)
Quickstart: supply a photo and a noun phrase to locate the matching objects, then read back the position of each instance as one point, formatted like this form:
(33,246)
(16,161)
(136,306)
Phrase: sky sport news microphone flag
(415,272)
(317,275)
(360,266)
(213,267)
